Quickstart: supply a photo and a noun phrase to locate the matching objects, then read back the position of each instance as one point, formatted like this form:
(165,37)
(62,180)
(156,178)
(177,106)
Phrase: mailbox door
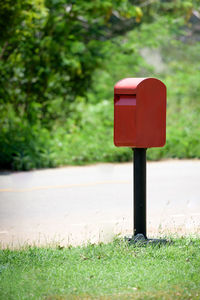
(151,114)
(125,120)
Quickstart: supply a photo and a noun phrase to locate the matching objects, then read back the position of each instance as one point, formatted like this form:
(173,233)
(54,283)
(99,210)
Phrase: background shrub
(59,61)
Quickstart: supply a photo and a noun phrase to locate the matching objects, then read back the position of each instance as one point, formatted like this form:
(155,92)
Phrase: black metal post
(139,191)
(139,175)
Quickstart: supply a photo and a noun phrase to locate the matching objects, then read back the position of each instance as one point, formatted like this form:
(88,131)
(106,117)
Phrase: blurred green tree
(49,50)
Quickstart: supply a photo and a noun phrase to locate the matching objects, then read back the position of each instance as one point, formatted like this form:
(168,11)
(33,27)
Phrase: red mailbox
(139,113)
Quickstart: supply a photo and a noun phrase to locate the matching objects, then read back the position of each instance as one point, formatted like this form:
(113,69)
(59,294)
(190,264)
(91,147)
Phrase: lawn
(104,271)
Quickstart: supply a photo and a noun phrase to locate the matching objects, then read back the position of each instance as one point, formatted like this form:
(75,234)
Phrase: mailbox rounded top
(129,85)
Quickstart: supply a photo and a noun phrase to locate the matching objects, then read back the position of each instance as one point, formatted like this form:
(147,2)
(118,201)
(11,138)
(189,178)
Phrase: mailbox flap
(126,100)
(127,86)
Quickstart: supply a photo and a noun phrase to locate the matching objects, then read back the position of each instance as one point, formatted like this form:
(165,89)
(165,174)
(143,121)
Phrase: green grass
(105,271)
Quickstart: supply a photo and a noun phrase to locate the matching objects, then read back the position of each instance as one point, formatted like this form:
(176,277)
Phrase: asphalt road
(73,205)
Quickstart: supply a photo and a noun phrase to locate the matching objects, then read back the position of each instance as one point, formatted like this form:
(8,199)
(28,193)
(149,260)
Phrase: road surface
(74,205)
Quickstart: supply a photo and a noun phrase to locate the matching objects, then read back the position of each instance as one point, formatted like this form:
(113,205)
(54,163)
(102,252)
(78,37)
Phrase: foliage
(111,271)
(51,53)
(59,61)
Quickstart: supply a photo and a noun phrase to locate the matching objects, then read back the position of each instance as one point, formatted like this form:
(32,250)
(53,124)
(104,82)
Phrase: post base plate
(140,239)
